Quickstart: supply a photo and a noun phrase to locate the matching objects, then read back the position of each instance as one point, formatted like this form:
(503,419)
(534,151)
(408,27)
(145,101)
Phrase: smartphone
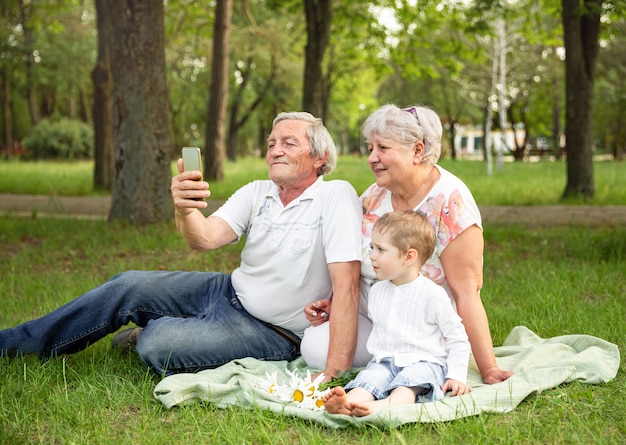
(192,160)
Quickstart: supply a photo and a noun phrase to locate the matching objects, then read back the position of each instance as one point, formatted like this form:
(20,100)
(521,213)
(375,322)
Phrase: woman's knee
(314,346)
(316,339)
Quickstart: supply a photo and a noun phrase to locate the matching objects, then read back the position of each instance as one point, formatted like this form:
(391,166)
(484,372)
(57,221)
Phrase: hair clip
(413,111)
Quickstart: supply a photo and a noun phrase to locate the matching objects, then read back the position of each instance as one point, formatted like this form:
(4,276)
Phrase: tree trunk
(556,123)
(451,136)
(581,28)
(7,122)
(233,127)
(518,153)
(83,102)
(318,20)
(103,125)
(236,121)
(28,60)
(489,114)
(215,149)
(141,133)
(327,85)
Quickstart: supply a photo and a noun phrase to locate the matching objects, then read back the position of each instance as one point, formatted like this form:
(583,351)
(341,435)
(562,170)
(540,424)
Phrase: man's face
(289,155)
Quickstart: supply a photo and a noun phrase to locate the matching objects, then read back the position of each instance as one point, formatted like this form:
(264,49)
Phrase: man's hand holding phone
(188,190)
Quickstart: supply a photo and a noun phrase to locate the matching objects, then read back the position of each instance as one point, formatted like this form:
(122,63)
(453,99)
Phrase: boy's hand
(455,388)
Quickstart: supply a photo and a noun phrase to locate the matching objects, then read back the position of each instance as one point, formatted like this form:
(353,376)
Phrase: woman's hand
(317,312)
(495,375)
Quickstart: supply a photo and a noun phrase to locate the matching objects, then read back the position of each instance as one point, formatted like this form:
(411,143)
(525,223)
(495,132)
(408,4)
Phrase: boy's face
(387,260)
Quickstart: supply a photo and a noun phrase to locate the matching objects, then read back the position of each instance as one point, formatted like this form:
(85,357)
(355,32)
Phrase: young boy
(418,344)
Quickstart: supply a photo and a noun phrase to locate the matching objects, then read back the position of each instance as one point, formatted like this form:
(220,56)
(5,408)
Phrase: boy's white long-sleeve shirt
(415,322)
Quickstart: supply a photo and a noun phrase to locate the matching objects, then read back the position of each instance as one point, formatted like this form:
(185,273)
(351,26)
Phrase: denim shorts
(382,377)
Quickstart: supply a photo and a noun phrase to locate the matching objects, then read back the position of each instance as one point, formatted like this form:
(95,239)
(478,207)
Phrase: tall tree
(237,118)
(27,29)
(142,171)
(188,43)
(610,97)
(215,149)
(10,56)
(7,123)
(8,62)
(102,118)
(318,19)
(581,29)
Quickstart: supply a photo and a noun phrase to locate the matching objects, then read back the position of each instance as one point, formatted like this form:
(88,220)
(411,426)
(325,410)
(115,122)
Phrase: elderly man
(302,244)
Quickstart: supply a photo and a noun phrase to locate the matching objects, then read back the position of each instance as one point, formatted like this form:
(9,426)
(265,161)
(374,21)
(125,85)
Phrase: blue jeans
(191,320)
(380,378)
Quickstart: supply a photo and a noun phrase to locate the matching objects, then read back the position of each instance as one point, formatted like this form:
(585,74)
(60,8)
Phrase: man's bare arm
(201,233)
(344,320)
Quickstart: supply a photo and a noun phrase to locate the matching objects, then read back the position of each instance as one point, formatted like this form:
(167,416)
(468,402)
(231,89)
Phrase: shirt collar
(309,193)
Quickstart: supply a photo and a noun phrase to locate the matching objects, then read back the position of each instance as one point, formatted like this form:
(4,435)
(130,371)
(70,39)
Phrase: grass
(554,280)
(538,183)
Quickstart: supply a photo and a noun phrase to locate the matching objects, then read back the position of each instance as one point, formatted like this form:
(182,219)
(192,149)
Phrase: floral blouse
(450,208)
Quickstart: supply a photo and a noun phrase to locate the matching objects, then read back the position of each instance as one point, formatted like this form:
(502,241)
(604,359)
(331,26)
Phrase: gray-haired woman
(404,146)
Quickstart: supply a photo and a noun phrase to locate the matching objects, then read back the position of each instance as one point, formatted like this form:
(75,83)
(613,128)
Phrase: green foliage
(342,380)
(610,96)
(438,54)
(63,139)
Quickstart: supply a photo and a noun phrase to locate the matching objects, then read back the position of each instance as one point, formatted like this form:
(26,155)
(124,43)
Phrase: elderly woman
(404,146)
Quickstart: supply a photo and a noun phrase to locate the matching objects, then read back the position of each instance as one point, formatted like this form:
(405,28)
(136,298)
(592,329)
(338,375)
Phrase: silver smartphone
(192,160)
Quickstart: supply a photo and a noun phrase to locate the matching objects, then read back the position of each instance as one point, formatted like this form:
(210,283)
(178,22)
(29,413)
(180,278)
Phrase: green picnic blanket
(539,364)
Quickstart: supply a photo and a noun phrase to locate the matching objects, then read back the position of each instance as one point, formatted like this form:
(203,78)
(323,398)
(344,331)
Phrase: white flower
(269,383)
(303,392)
(271,386)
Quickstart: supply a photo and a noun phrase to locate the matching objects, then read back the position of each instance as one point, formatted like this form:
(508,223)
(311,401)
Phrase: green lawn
(554,280)
(525,183)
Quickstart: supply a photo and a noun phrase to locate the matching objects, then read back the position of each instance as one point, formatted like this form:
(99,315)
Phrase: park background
(453,56)
(129,83)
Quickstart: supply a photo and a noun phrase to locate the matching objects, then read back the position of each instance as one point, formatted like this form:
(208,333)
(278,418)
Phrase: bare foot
(336,401)
(361,409)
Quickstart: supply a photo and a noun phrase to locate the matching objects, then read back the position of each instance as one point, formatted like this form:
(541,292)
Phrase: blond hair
(406,229)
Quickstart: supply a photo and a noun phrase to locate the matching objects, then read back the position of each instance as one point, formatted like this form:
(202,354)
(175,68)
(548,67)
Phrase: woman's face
(390,162)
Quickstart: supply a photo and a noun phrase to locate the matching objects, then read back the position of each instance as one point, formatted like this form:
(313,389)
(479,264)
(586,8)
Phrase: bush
(63,139)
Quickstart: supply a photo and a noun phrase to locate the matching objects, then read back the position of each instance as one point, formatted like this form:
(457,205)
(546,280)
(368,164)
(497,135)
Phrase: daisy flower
(269,383)
(303,392)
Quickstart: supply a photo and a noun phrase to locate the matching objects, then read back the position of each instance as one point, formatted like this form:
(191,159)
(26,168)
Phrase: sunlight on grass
(46,177)
(519,183)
